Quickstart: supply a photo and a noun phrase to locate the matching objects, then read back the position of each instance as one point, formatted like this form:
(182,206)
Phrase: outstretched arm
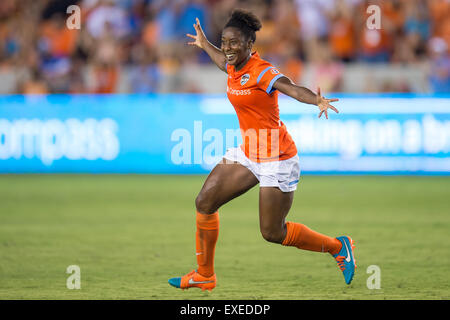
(302,94)
(200,41)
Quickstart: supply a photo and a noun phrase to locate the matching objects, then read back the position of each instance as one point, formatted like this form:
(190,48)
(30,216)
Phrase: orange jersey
(250,91)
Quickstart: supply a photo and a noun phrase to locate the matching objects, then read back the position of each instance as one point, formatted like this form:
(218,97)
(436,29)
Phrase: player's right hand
(199,38)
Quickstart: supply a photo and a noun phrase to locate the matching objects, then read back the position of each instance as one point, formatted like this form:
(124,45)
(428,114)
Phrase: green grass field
(129,234)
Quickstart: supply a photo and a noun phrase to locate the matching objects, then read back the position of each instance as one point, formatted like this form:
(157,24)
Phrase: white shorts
(283,174)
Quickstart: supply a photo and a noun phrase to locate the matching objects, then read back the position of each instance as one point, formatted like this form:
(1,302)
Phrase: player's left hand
(324,104)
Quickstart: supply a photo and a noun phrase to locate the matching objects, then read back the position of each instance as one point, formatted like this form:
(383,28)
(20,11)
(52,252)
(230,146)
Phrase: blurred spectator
(56,45)
(440,19)
(188,11)
(145,75)
(417,26)
(166,15)
(440,66)
(314,23)
(35,84)
(56,39)
(151,33)
(375,44)
(342,33)
(327,72)
(105,62)
(107,14)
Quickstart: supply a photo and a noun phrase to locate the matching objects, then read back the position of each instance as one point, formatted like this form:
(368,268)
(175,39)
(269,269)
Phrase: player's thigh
(225,182)
(274,206)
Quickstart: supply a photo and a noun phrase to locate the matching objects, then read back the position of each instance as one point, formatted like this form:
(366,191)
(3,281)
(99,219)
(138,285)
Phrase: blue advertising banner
(187,133)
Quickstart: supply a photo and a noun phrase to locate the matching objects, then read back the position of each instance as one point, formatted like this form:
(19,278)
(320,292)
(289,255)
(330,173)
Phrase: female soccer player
(268,155)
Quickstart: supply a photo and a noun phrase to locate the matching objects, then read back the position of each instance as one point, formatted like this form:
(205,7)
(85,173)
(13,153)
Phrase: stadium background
(124,93)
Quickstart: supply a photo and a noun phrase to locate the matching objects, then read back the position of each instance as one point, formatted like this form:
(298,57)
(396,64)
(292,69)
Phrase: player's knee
(203,204)
(272,235)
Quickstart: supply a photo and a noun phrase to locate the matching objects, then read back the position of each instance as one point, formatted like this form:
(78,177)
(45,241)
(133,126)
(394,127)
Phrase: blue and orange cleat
(194,280)
(346,259)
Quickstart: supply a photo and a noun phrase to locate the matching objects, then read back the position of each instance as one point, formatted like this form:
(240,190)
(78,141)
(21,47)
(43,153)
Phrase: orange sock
(206,238)
(300,236)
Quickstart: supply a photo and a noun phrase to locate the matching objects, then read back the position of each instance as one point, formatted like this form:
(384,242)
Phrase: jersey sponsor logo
(245,92)
(244,79)
(274,71)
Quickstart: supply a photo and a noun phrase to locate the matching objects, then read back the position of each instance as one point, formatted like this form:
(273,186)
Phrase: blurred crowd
(133,45)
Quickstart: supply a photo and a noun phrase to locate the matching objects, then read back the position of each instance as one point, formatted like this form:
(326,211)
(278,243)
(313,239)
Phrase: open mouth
(230,56)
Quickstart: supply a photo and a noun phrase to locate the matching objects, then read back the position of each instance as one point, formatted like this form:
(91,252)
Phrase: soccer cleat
(194,280)
(346,259)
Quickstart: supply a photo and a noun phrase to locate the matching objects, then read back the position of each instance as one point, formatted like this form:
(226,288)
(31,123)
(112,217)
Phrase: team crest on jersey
(244,79)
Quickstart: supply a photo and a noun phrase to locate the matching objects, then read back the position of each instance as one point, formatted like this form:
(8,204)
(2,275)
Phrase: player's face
(235,46)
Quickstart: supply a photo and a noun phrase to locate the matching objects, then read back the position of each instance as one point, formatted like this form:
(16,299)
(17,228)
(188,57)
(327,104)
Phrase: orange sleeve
(267,77)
